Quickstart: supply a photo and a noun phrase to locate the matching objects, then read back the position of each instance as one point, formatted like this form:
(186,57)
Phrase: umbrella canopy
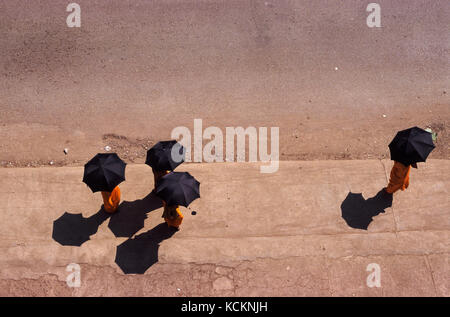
(178,188)
(104,172)
(165,155)
(411,146)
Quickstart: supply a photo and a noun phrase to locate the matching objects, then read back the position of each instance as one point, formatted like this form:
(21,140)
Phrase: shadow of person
(136,255)
(74,229)
(130,216)
(359,213)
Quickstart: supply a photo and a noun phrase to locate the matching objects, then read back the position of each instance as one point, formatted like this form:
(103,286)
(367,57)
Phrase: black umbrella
(104,172)
(411,146)
(165,155)
(178,188)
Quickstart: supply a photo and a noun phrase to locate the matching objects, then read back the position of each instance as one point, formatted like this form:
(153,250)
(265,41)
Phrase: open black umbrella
(104,172)
(411,146)
(165,155)
(178,188)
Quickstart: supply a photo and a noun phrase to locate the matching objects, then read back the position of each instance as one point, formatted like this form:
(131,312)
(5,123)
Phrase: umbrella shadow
(358,212)
(131,215)
(137,255)
(74,229)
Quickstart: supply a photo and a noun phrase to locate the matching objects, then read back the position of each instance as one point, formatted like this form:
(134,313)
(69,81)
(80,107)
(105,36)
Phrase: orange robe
(111,200)
(399,178)
(158,174)
(172,215)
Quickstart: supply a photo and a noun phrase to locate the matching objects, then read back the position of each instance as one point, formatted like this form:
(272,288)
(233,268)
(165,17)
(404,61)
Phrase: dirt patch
(130,150)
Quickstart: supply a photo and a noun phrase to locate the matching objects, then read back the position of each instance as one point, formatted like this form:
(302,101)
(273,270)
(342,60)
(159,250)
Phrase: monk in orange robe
(172,215)
(399,178)
(111,200)
(158,174)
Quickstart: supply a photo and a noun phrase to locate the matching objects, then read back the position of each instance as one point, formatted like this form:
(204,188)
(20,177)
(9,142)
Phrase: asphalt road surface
(135,70)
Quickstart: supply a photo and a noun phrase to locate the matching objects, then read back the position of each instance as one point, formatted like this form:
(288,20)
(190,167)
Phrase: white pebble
(107,148)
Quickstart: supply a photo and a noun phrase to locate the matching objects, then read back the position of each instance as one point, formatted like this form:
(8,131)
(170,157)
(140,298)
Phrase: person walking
(103,173)
(172,215)
(399,177)
(407,148)
(111,200)
(176,189)
(164,157)
(158,174)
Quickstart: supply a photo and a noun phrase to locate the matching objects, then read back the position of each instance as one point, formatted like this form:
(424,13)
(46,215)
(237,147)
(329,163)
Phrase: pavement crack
(427,261)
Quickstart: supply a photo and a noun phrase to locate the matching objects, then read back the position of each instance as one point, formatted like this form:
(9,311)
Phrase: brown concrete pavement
(254,234)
